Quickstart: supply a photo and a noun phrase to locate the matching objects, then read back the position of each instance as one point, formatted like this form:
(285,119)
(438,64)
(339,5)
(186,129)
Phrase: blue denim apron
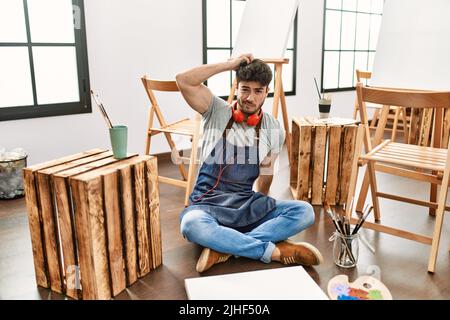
(224,186)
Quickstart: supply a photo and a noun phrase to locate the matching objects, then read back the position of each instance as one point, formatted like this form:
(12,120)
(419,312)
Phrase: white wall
(127,39)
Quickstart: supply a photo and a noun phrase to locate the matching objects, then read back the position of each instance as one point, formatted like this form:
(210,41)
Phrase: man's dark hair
(257,71)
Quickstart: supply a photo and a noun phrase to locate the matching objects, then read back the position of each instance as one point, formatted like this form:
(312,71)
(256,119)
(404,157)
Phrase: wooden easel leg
(277,90)
(232,92)
(286,122)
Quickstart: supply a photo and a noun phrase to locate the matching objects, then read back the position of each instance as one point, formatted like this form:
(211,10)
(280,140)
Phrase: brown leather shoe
(299,253)
(208,258)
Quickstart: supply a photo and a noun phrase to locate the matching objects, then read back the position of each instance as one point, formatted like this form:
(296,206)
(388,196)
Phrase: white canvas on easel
(288,283)
(413,50)
(264,28)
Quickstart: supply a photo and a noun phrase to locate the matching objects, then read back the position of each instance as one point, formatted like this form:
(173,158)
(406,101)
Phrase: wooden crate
(94,222)
(323,159)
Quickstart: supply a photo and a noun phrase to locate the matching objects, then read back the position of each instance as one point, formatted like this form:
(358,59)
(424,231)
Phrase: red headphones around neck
(252,120)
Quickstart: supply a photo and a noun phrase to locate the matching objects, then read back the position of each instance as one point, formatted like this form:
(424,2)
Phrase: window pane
(360,63)
(364,5)
(12,21)
(220,83)
(330,70)
(371,58)
(288,70)
(377,6)
(218,23)
(348,31)
(332,30)
(375,24)
(334,4)
(56,74)
(362,31)
(51,21)
(349,5)
(346,70)
(15,77)
(238,9)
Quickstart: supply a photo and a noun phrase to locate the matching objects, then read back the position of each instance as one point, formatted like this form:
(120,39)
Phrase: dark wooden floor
(403,263)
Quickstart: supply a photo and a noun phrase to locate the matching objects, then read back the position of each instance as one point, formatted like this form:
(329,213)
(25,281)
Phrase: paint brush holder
(345,249)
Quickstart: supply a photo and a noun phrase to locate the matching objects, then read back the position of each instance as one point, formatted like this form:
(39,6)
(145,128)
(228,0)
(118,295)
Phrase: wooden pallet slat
(114,230)
(333,164)
(36,232)
(319,164)
(348,153)
(142,220)
(304,162)
(155,223)
(129,224)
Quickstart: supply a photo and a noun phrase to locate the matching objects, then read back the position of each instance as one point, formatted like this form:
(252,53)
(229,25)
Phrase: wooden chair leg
(433,198)
(394,126)
(373,190)
(192,164)
(438,223)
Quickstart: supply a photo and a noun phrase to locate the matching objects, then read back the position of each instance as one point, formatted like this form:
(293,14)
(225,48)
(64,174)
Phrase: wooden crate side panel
(155,220)
(114,231)
(51,237)
(128,217)
(36,232)
(319,164)
(334,146)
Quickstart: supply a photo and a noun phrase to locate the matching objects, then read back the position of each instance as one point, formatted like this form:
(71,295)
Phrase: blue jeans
(256,241)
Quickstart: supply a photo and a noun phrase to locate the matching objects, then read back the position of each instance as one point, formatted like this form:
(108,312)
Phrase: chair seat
(409,155)
(185,127)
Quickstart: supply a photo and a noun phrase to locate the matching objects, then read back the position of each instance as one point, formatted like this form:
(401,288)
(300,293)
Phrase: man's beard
(243,106)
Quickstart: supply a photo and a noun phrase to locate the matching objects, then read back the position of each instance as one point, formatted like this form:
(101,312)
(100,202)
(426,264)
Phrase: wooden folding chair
(393,116)
(428,164)
(187,127)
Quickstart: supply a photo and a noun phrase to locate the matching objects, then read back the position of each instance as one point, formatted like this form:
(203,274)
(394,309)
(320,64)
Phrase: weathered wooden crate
(94,222)
(323,159)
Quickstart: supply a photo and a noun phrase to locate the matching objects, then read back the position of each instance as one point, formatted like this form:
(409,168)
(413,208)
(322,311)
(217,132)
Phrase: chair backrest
(417,99)
(151,85)
(362,75)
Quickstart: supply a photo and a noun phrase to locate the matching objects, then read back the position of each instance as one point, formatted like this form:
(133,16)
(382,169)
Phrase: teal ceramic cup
(119,137)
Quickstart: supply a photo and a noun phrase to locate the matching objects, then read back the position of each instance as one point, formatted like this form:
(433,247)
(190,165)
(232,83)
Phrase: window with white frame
(43,59)
(350,38)
(221,20)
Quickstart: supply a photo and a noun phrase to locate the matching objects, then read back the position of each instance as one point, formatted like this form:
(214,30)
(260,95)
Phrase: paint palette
(364,288)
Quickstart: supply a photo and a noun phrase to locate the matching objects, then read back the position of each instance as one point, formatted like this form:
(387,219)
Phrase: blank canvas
(264,28)
(288,283)
(413,50)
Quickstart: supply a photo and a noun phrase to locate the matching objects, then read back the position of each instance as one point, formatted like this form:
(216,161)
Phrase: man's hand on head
(243,59)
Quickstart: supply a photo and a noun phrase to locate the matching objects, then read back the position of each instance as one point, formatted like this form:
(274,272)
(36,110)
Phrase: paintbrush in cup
(102,109)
